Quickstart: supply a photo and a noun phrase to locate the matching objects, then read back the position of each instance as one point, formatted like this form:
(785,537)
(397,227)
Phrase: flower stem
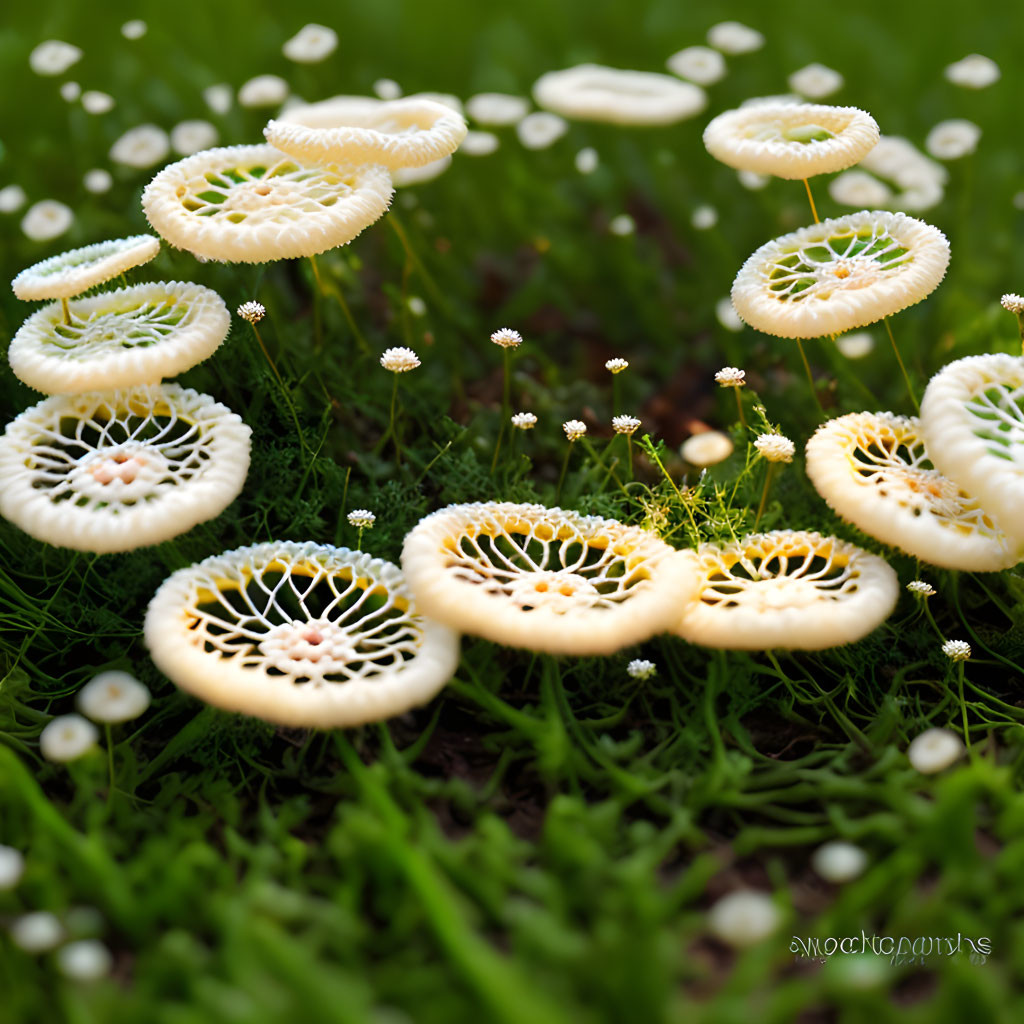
(903,369)
(764,492)
(810,199)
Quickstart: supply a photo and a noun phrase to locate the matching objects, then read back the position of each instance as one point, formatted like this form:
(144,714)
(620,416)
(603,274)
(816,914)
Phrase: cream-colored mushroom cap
(407,132)
(592,92)
(787,589)
(972,415)
(874,471)
(130,336)
(253,204)
(71,273)
(300,634)
(791,140)
(842,273)
(117,470)
(543,578)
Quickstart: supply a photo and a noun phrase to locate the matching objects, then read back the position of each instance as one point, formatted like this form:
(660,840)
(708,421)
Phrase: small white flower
(113,697)
(704,217)
(37,932)
(263,91)
(973,72)
(362,518)
(507,338)
(574,429)
(53,57)
(12,198)
(734,37)
(218,98)
(312,43)
(640,668)
(134,29)
(752,181)
(140,147)
(479,144)
(190,137)
(839,861)
(616,365)
(387,89)
(587,160)
(934,750)
(707,448)
(416,305)
(856,344)
(67,737)
(775,447)
(622,225)
(399,360)
(950,140)
(541,129)
(815,81)
(727,316)
(84,960)
(12,867)
(524,421)
(920,588)
(699,64)
(254,312)
(859,190)
(96,102)
(70,91)
(743,918)
(1012,303)
(731,377)
(46,219)
(497,108)
(956,650)
(625,424)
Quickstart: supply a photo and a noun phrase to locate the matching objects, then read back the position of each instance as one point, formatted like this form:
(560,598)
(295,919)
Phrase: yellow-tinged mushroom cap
(299,634)
(117,470)
(786,589)
(843,273)
(874,471)
(543,578)
(253,204)
(117,339)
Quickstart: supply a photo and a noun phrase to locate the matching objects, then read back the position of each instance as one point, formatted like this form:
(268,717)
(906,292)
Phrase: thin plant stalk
(903,369)
(764,493)
(810,199)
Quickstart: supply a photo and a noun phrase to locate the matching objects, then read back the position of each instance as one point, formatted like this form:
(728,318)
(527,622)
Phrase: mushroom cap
(791,140)
(544,578)
(787,589)
(119,339)
(305,635)
(253,204)
(73,272)
(408,132)
(972,416)
(593,92)
(843,273)
(874,471)
(117,470)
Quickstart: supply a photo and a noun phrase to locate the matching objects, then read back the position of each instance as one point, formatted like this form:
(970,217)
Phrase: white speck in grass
(254,312)
(625,424)
(699,64)
(218,97)
(734,37)
(524,421)
(707,448)
(587,160)
(574,429)
(622,225)
(920,589)
(953,139)
(12,198)
(743,918)
(140,147)
(12,867)
(1012,303)
(67,737)
(640,668)
(507,338)
(497,109)
(53,57)
(361,518)
(775,447)
(188,137)
(541,129)
(387,89)
(96,102)
(956,650)
(839,861)
(859,190)
(37,932)
(113,697)
(856,344)
(704,217)
(973,72)
(399,360)
(731,377)
(416,305)
(479,144)
(752,181)
(311,44)
(815,81)
(263,91)
(70,91)
(727,315)
(84,960)
(134,29)
(616,365)
(46,219)
(935,750)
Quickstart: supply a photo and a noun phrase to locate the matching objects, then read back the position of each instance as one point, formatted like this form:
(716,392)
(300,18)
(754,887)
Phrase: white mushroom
(786,589)
(408,132)
(300,634)
(116,470)
(253,204)
(121,338)
(71,273)
(873,470)
(842,273)
(543,578)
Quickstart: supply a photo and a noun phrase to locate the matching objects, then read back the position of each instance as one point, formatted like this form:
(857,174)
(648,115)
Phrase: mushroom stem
(739,408)
(903,369)
(810,198)
(764,492)
(65,311)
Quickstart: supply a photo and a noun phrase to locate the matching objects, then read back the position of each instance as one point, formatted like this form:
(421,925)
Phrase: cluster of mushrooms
(318,636)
